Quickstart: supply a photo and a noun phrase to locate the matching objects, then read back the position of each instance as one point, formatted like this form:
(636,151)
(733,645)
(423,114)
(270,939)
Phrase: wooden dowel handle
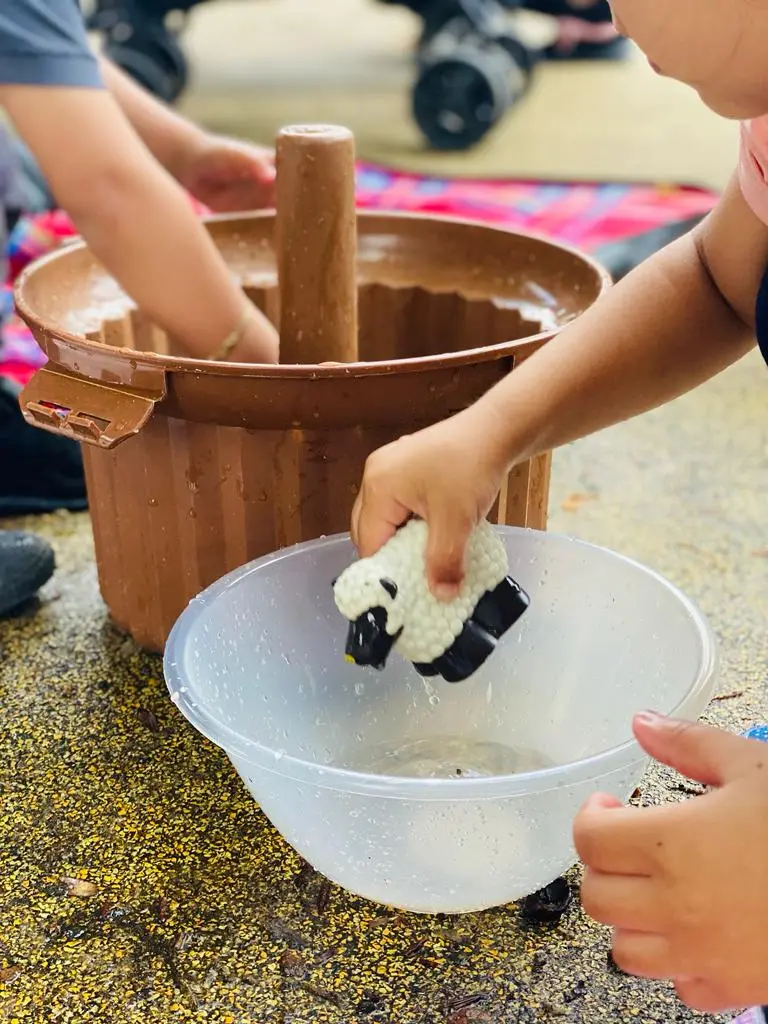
(316,243)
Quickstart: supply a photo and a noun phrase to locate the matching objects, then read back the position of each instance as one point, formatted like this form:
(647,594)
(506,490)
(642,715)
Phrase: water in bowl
(446,757)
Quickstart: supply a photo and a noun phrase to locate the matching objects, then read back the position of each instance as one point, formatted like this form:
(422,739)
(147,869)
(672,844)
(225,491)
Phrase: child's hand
(449,475)
(686,886)
(227,175)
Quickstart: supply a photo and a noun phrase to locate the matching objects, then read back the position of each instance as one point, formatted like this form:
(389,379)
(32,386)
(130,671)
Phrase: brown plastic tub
(193,468)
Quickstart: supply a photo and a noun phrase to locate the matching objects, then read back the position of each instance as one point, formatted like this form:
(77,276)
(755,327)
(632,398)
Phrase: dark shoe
(26,563)
(39,471)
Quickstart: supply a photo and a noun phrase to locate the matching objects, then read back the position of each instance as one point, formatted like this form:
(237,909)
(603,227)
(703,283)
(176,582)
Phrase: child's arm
(135,218)
(677,320)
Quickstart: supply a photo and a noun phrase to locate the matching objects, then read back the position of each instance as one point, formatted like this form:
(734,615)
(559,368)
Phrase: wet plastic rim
(187,364)
(602,764)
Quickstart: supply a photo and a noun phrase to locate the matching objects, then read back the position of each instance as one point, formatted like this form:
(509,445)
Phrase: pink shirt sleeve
(753,166)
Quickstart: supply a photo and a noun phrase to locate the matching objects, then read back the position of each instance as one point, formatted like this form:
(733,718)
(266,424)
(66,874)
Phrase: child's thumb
(603,802)
(446,543)
(697,751)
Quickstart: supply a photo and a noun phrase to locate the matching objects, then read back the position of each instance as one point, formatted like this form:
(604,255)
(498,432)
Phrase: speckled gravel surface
(139,882)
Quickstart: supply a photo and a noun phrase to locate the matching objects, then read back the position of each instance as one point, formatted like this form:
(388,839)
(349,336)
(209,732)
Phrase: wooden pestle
(316,243)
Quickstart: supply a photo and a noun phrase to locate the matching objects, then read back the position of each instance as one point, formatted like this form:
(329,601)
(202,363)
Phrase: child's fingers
(704,996)
(620,901)
(374,522)
(604,800)
(644,954)
(697,751)
(615,840)
(449,530)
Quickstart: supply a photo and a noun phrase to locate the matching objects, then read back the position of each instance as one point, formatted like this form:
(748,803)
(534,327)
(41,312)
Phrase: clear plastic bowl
(256,664)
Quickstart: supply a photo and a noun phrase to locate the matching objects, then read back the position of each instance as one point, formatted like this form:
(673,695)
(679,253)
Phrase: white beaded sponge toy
(388,603)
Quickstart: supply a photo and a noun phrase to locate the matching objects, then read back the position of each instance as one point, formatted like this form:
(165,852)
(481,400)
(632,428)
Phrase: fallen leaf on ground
(148,719)
(324,994)
(292,964)
(323,897)
(574,501)
(79,887)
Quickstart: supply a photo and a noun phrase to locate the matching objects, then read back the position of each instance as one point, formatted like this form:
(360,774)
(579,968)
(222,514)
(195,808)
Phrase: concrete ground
(194,908)
(139,883)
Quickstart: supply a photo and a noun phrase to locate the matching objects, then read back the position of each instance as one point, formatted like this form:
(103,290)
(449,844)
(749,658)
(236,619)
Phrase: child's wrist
(480,426)
(503,430)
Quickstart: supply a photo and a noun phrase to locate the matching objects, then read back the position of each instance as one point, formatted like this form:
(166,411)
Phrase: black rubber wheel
(155,60)
(458,100)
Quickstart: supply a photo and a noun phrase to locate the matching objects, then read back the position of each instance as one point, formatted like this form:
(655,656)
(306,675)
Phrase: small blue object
(757,732)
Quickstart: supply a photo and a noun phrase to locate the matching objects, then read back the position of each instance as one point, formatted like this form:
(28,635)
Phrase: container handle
(90,411)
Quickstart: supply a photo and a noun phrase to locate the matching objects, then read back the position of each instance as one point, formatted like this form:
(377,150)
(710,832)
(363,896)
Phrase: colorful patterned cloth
(31,238)
(584,215)
(581,214)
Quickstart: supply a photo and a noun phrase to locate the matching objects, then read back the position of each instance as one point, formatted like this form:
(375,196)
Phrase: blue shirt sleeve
(44,42)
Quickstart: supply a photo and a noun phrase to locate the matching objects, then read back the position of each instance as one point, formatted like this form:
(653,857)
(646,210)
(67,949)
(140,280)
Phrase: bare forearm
(664,329)
(198,303)
(136,219)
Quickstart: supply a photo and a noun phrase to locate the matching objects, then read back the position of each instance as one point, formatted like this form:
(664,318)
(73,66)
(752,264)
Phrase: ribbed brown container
(193,468)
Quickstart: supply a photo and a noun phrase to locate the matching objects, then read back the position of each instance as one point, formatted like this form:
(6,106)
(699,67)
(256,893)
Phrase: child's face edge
(716,46)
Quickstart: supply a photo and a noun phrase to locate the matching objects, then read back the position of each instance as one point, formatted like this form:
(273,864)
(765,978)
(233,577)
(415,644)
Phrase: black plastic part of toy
(368,642)
(496,612)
